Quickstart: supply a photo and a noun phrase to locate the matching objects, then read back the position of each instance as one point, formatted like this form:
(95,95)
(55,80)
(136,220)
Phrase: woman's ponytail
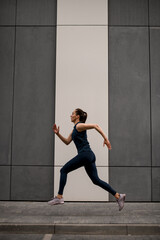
(82,115)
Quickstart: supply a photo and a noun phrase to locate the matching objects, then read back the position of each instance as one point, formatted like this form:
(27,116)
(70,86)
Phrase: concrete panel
(7,12)
(5,182)
(154,10)
(32,183)
(34,96)
(155,94)
(79,187)
(82,12)
(6,92)
(129,97)
(134,181)
(33,12)
(82,81)
(156,184)
(128,12)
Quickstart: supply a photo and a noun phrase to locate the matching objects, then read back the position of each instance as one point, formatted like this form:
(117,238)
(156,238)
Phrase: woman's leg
(92,173)
(72,165)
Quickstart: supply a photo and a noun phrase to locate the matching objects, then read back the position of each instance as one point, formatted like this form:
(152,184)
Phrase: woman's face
(73,116)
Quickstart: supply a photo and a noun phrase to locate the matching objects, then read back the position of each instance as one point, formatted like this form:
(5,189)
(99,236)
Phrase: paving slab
(102,218)
(74,237)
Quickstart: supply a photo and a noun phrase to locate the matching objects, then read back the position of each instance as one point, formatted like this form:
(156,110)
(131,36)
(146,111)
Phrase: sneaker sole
(55,203)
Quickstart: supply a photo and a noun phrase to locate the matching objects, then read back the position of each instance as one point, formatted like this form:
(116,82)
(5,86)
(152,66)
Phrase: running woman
(85,157)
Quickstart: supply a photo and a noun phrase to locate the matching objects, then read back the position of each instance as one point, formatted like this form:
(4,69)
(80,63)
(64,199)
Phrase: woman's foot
(56,200)
(120,201)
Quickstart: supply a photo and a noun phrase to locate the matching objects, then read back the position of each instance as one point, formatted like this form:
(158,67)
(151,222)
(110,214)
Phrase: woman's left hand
(107,142)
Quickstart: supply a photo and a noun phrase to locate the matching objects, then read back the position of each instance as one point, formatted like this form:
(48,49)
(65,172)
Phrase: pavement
(79,220)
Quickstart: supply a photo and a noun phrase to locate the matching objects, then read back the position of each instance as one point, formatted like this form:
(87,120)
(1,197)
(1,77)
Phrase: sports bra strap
(76,124)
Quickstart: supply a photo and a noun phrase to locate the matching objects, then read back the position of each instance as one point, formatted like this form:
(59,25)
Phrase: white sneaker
(120,201)
(55,201)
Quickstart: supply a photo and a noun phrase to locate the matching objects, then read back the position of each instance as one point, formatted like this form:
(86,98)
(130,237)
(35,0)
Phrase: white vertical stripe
(82,81)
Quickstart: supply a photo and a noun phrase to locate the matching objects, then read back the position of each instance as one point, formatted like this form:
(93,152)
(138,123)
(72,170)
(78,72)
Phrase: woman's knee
(62,170)
(95,180)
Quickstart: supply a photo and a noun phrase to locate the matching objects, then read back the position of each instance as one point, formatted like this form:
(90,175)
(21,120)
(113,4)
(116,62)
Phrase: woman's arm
(63,139)
(82,126)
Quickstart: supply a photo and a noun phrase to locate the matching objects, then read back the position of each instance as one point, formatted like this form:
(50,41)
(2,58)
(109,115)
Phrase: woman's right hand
(107,142)
(55,129)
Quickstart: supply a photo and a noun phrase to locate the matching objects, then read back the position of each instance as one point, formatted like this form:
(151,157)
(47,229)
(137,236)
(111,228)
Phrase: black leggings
(86,159)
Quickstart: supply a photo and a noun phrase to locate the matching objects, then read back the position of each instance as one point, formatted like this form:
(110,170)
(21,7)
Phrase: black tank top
(80,140)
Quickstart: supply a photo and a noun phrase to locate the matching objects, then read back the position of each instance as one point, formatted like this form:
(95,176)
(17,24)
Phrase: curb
(83,229)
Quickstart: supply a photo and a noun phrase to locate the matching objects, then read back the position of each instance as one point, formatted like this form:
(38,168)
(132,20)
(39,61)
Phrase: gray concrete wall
(134,88)
(27,98)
